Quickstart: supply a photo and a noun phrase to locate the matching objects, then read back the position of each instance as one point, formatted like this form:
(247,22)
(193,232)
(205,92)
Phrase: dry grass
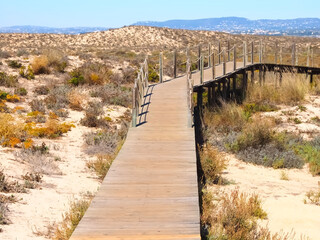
(77,100)
(229,117)
(101,165)
(72,218)
(40,65)
(313,197)
(292,90)
(213,163)
(234,216)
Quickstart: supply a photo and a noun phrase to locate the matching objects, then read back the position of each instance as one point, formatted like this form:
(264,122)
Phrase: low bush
(37,105)
(229,117)
(51,129)
(112,94)
(40,65)
(71,219)
(8,80)
(313,197)
(3,95)
(27,72)
(103,142)
(58,98)
(21,91)
(14,64)
(10,129)
(310,152)
(42,90)
(92,74)
(6,186)
(233,216)
(213,163)
(13,98)
(57,60)
(4,54)
(77,100)
(101,165)
(92,116)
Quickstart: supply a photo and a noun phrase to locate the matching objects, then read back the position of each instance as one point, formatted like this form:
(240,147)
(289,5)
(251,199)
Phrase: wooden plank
(151,189)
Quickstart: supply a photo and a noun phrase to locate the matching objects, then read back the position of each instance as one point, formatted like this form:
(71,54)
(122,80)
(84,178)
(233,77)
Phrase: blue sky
(117,13)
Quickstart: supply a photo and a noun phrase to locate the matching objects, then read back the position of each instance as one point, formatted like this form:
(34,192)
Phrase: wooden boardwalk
(151,189)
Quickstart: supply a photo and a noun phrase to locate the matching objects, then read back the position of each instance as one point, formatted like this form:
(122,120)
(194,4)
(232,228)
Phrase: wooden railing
(246,54)
(141,85)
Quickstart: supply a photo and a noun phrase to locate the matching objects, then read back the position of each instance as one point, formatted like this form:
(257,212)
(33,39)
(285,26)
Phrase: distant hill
(237,25)
(39,29)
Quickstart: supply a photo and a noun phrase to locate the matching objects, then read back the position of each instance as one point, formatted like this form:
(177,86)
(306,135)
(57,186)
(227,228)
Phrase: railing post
(209,55)
(276,53)
(147,72)
(175,64)
(134,112)
(161,68)
(244,54)
(199,56)
(219,52)
(201,69)
(260,51)
(224,61)
(228,50)
(234,58)
(293,55)
(213,66)
(308,56)
(252,52)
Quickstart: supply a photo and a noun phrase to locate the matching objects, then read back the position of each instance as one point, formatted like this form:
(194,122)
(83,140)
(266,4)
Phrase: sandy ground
(283,200)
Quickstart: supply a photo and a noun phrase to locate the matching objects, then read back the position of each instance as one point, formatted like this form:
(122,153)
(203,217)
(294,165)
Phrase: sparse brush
(14,64)
(77,100)
(92,74)
(38,162)
(229,117)
(291,91)
(113,94)
(38,105)
(284,176)
(21,91)
(71,219)
(233,216)
(313,197)
(51,129)
(58,97)
(310,152)
(213,163)
(101,165)
(92,113)
(42,90)
(10,129)
(40,65)
(8,80)
(56,59)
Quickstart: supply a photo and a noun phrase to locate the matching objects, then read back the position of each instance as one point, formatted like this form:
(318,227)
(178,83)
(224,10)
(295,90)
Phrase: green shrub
(3,95)
(76,78)
(14,64)
(26,72)
(21,91)
(310,152)
(153,74)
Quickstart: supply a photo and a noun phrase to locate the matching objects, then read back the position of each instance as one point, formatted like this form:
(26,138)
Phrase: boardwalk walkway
(151,189)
